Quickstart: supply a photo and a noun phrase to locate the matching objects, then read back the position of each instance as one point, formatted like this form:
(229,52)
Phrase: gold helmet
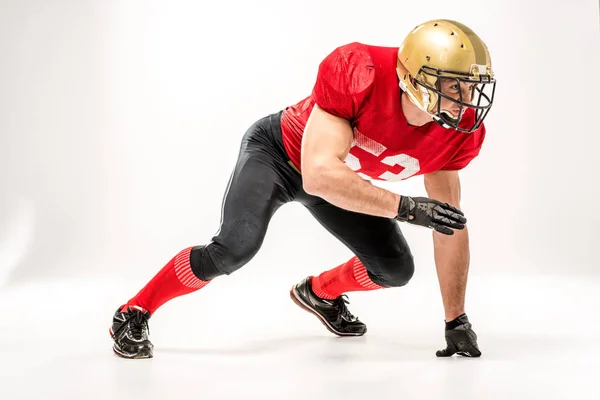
(441,49)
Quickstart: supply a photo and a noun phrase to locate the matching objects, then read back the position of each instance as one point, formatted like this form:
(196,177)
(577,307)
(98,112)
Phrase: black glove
(460,339)
(430,214)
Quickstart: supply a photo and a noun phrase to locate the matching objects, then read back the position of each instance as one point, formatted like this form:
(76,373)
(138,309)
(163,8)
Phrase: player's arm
(325,145)
(343,84)
(451,252)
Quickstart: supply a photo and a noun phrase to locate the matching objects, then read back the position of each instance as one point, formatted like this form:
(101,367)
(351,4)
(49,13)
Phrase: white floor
(539,338)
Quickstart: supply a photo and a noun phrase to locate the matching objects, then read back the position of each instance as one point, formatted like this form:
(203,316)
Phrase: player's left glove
(460,339)
(430,213)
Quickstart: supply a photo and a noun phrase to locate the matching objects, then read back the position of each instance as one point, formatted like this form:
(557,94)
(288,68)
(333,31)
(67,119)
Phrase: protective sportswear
(460,339)
(430,214)
(445,49)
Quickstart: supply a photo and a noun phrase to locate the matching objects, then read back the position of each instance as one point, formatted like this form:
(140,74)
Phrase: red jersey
(358,82)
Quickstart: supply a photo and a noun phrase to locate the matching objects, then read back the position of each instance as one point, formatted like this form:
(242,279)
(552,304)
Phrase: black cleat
(334,314)
(130,333)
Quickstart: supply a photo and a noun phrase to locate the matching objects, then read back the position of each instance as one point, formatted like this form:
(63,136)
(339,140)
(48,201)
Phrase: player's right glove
(460,339)
(430,213)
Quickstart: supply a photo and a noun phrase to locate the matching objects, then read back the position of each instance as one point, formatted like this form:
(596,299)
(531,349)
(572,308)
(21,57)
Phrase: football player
(375,113)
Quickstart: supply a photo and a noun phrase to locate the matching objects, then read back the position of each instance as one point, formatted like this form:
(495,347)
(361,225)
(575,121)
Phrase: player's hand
(431,214)
(460,340)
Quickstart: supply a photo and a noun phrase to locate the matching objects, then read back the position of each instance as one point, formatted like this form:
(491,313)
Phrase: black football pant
(263,180)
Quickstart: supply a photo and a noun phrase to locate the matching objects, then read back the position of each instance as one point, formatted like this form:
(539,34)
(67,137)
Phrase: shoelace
(137,322)
(342,304)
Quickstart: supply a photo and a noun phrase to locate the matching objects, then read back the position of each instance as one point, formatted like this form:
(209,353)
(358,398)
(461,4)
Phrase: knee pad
(213,260)
(395,272)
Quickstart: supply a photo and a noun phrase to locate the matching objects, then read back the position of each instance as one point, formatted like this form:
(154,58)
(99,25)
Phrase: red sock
(349,277)
(174,280)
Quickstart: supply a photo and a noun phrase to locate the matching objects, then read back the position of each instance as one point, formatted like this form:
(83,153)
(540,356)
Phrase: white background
(120,123)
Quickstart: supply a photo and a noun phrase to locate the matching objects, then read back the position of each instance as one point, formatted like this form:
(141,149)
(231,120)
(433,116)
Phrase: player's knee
(238,256)
(216,259)
(400,270)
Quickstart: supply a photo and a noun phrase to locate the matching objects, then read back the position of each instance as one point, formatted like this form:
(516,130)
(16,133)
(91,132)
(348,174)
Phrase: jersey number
(410,164)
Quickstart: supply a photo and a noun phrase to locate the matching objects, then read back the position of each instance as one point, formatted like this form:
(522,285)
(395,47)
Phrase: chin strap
(444,120)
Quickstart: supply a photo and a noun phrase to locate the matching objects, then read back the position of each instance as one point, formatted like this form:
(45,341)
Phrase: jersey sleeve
(344,80)
(467,152)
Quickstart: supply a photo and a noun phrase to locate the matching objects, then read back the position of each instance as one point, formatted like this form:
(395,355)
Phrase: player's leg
(256,190)
(382,259)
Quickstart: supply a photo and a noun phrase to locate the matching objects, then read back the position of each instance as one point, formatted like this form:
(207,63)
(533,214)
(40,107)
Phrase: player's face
(452,88)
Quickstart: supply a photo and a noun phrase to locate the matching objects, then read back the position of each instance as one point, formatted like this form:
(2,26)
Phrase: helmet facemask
(429,80)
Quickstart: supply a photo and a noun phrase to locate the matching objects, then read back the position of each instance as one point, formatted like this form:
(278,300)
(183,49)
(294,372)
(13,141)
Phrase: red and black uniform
(356,82)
